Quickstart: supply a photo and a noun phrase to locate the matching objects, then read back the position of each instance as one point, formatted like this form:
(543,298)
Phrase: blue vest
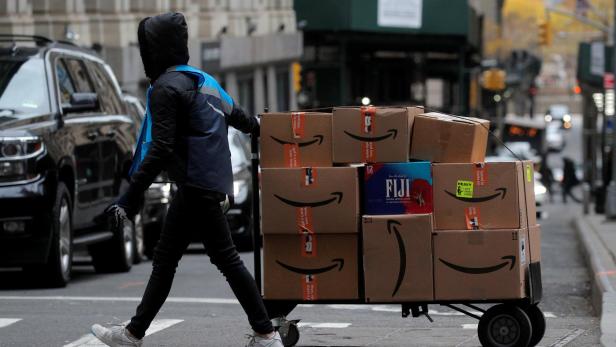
(208,161)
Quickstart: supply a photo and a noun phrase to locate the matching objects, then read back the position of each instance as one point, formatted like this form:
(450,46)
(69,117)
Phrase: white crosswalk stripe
(5,322)
(157,325)
(323,325)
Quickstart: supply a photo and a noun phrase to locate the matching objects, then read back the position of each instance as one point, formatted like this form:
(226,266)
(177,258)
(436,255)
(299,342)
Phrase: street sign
(597,58)
(608,81)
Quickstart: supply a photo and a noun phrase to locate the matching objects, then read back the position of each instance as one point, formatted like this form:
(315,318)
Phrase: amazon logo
(337,263)
(317,139)
(499,192)
(390,133)
(336,196)
(509,259)
(391,226)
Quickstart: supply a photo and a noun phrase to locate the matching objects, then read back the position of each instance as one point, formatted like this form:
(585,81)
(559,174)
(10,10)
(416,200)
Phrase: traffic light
(545,33)
(494,79)
(297,77)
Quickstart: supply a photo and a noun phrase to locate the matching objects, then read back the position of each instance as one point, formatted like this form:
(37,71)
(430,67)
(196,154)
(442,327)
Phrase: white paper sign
(597,58)
(400,13)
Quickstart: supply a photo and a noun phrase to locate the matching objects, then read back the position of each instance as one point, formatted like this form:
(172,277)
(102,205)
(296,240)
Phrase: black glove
(117,216)
(130,202)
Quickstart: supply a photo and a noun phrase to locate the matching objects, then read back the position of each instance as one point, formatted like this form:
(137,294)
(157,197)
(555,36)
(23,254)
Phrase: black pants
(197,210)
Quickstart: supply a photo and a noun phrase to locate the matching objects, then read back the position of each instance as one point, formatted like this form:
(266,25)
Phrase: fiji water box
(398,188)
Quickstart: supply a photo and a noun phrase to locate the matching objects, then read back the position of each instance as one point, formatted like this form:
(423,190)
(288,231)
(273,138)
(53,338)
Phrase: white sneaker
(115,336)
(258,341)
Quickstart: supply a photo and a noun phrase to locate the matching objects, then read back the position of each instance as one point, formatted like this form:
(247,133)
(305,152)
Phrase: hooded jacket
(188,135)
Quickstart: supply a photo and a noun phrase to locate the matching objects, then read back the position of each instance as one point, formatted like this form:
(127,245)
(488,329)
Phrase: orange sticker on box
(303,217)
(472,218)
(309,245)
(291,155)
(309,178)
(309,287)
(298,120)
(481,174)
(367,127)
(368,152)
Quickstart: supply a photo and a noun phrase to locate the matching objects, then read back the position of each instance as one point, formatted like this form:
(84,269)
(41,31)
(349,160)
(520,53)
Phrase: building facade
(248,45)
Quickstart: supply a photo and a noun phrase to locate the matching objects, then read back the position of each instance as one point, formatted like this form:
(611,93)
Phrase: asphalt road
(203,312)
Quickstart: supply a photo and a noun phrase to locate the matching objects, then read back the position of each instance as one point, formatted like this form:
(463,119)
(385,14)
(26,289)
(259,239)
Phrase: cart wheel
(504,326)
(289,334)
(537,320)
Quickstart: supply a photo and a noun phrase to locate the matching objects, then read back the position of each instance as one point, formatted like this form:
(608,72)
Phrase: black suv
(65,147)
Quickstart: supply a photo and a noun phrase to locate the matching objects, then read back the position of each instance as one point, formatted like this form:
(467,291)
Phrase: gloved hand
(130,202)
(117,216)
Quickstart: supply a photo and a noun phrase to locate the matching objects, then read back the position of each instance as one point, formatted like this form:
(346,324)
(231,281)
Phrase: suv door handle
(92,135)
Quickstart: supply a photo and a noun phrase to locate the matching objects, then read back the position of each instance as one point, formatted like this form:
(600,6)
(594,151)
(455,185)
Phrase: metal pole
(610,211)
(256,211)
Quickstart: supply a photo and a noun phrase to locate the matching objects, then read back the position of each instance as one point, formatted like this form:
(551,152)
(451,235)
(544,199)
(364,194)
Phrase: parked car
(555,138)
(65,146)
(559,114)
(156,199)
(240,214)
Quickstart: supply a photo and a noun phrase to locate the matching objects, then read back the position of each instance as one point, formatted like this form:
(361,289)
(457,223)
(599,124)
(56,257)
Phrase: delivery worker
(185,133)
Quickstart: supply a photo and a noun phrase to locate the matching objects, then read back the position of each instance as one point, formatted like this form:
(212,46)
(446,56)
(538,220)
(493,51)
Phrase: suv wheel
(56,272)
(116,254)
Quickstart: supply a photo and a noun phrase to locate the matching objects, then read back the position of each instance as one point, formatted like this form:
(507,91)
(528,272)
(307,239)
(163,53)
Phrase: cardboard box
(372,134)
(484,196)
(297,139)
(397,252)
(480,264)
(534,237)
(448,139)
(397,188)
(329,271)
(316,200)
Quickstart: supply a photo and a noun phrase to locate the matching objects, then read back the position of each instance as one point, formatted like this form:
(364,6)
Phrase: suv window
(65,82)
(108,99)
(23,87)
(80,76)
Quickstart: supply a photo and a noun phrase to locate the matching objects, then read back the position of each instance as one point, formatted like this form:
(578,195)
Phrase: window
(282,89)
(245,87)
(107,97)
(23,87)
(79,75)
(65,82)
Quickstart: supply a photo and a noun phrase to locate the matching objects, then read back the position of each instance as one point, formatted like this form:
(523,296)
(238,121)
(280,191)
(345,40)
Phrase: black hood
(163,42)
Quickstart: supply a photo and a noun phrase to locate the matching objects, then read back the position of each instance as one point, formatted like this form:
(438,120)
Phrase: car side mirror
(82,102)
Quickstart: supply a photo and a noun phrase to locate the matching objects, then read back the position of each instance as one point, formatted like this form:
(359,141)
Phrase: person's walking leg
(219,246)
(173,241)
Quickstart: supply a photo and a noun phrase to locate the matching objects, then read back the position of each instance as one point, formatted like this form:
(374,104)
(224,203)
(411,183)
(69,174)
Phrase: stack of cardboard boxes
(392,205)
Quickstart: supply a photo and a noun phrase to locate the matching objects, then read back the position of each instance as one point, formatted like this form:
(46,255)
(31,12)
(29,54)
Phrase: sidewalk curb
(603,294)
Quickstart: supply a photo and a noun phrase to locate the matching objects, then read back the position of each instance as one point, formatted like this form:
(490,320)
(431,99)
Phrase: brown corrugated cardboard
(484,196)
(372,134)
(294,270)
(480,264)
(316,200)
(534,237)
(296,139)
(397,253)
(447,139)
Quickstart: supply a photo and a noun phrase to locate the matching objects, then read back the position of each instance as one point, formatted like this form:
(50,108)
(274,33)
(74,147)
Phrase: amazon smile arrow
(337,263)
(481,270)
(499,192)
(390,133)
(337,196)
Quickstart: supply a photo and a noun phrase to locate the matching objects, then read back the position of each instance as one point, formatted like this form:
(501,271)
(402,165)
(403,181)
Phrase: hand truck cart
(506,323)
